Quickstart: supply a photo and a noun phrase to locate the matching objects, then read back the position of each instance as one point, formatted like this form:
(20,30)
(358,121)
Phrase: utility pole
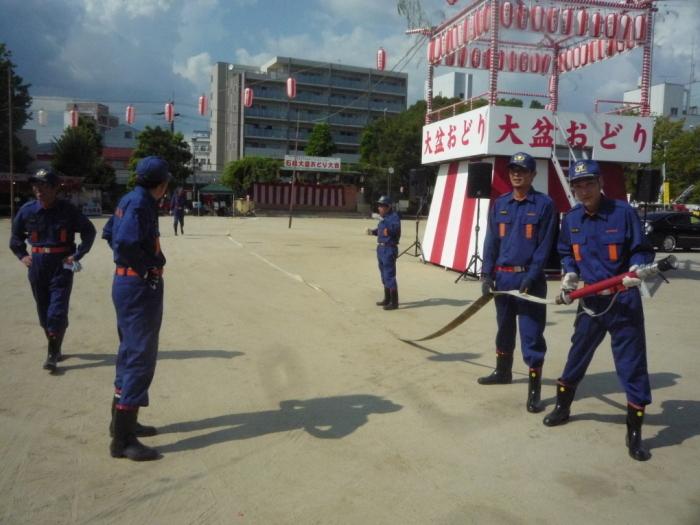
(10,135)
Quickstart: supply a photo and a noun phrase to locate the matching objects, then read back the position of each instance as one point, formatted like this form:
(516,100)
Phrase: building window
(674,112)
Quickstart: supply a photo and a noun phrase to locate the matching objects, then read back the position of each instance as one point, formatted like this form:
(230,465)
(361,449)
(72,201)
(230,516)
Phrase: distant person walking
(177,208)
(50,225)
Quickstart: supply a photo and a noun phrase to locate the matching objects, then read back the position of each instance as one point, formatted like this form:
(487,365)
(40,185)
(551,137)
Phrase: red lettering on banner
(439,148)
(451,137)
(467,128)
(543,136)
(610,133)
(426,143)
(481,128)
(508,132)
(640,133)
(576,140)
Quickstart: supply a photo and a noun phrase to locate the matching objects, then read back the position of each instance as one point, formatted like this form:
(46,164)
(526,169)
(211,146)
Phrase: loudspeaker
(648,184)
(479,180)
(417,183)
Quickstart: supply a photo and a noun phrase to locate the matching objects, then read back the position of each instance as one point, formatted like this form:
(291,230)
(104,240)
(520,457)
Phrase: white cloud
(106,11)
(196,69)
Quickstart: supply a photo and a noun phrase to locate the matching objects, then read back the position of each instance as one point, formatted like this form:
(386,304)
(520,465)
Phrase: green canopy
(216,189)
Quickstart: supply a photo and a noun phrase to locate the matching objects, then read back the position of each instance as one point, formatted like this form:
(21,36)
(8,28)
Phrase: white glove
(632,282)
(569,282)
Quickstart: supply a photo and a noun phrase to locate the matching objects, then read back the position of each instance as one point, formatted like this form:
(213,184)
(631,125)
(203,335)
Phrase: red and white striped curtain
(317,196)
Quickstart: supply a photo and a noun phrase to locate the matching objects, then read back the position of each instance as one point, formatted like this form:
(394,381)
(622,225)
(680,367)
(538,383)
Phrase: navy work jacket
(52,227)
(520,233)
(604,244)
(133,234)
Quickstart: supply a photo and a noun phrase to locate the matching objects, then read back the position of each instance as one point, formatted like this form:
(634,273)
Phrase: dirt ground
(283,395)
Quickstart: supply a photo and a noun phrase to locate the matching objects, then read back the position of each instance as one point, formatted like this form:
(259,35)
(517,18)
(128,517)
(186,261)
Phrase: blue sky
(146,51)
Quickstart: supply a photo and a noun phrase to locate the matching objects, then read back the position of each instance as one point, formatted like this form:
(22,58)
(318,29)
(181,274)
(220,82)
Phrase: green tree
(320,141)
(21,101)
(536,104)
(240,175)
(77,151)
(171,146)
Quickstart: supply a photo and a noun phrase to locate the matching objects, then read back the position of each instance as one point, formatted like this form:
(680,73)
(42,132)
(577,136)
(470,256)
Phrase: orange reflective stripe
(502,229)
(528,231)
(157,245)
(63,236)
(577,252)
(35,236)
(612,251)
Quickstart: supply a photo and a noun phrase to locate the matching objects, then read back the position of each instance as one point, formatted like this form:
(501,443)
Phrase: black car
(668,230)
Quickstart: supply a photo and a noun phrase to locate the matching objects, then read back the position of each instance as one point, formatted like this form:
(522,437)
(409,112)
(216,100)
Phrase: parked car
(668,230)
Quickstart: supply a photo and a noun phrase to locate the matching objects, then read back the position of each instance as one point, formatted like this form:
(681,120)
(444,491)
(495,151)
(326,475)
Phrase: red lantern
(130,114)
(381,59)
(452,2)
(291,87)
(248,97)
(74,115)
(202,105)
(169,111)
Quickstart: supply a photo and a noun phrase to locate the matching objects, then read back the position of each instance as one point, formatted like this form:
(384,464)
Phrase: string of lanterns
(202,103)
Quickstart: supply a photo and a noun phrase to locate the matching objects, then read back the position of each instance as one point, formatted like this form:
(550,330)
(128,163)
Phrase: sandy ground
(283,395)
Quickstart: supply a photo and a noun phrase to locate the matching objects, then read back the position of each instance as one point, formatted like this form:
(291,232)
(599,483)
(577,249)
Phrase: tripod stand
(475,262)
(416,244)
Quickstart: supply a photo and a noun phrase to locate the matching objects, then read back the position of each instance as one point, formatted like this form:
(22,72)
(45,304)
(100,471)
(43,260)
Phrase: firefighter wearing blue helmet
(137,293)
(50,224)
(600,238)
(388,233)
(519,238)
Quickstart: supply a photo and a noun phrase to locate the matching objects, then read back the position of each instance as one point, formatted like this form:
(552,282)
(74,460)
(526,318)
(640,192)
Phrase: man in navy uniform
(177,208)
(50,225)
(519,238)
(137,293)
(388,233)
(601,238)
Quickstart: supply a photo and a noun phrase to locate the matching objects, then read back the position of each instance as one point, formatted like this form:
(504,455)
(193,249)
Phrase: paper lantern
(130,114)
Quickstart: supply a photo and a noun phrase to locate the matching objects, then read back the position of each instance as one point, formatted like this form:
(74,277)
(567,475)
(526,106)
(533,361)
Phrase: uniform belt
(511,269)
(130,272)
(387,244)
(51,249)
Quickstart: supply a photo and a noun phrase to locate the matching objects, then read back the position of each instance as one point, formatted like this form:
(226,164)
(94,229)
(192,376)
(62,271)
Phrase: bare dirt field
(283,396)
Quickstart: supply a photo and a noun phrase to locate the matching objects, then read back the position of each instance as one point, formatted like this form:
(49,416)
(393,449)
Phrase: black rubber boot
(503,374)
(635,418)
(140,430)
(393,300)
(561,412)
(124,444)
(387,298)
(533,391)
(54,353)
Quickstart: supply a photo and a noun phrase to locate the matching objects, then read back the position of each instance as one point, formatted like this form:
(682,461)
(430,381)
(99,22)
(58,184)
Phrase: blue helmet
(384,201)
(522,160)
(152,170)
(46,176)
(582,169)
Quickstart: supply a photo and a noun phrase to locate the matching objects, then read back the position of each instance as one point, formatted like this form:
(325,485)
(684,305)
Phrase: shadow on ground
(326,418)
(97,360)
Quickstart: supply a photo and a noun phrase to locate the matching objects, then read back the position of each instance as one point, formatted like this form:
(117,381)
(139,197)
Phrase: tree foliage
(681,151)
(320,142)
(21,101)
(171,146)
(240,175)
(78,153)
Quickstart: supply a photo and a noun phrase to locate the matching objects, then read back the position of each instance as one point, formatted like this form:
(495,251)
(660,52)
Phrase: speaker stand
(417,248)
(475,261)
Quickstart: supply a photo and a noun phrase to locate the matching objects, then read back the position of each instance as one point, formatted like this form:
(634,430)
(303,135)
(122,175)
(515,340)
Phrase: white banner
(500,130)
(304,163)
